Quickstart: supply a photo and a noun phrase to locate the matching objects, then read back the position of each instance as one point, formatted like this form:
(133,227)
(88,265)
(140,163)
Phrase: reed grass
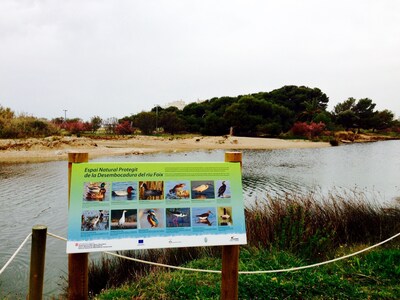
(311,227)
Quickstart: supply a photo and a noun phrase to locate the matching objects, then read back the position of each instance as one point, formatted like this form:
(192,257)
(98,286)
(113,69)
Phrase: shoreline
(57,148)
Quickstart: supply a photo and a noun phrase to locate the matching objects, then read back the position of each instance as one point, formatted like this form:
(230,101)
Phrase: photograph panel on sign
(178,217)
(151,218)
(151,190)
(225,217)
(223,189)
(202,189)
(177,189)
(204,216)
(123,219)
(124,190)
(95,220)
(96,191)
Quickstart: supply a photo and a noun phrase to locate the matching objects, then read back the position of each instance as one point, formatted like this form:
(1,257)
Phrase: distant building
(180,104)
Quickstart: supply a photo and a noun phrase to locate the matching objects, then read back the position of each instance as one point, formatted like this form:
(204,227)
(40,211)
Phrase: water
(37,193)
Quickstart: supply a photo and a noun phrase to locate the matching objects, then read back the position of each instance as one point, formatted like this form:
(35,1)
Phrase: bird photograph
(151,218)
(223,189)
(151,190)
(124,191)
(95,191)
(94,220)
(123,219)
(178,217)
(202,189)
(204,216)
(225,216)
(177,190)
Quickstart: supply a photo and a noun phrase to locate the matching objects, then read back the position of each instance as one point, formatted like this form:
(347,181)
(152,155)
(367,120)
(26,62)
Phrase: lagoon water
(36,193)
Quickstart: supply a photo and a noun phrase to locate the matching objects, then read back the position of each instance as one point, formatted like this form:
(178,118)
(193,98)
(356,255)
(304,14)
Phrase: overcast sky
(116,58)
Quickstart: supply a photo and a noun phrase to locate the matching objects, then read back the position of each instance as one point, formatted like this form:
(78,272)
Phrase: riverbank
(57,148)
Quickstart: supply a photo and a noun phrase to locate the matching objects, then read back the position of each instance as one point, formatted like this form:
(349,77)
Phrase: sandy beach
(57,148)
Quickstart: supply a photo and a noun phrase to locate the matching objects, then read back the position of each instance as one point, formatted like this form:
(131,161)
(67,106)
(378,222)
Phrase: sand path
(57,148)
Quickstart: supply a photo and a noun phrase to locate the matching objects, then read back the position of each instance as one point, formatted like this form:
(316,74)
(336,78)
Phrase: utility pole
(156,118)
(65,115)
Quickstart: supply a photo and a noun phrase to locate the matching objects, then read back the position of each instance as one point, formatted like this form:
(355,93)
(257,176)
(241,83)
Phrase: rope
(321,263)
(209,271)
(244,272)
(15,254)
(57,236)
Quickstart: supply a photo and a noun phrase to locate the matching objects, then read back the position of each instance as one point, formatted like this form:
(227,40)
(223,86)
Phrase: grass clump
(373,275)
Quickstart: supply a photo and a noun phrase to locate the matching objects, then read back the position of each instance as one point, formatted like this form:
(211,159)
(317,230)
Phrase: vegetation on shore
(283,232)
(288,112)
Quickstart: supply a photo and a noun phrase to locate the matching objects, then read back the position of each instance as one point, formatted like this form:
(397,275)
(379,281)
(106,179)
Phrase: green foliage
(373,275)
(146,122)
(96,122)
(361,114)
(171,122)
(24,126)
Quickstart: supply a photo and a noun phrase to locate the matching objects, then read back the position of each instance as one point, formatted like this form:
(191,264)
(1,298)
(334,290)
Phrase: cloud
(113,58)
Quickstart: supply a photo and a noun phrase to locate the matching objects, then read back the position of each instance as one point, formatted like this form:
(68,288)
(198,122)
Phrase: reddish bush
(308,130)
(124,128)
(76,127)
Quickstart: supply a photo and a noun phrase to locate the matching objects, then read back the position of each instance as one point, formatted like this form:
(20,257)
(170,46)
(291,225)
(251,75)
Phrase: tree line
(296,110)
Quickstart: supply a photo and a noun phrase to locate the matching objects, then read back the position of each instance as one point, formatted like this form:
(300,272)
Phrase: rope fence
(210,271)
(15,253)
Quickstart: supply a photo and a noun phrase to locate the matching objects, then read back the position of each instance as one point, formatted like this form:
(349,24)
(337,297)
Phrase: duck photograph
(178,217)
(94,220)
(204,216)
(96,191)
(223,189)
(151,218)
(123,219)
(151,190)
(202,189)
(124,191)
(225,216)
(177,189)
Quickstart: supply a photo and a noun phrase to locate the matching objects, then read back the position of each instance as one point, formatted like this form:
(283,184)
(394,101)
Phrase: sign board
(127,206)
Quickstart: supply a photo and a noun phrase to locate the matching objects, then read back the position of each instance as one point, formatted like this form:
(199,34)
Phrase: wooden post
(38,253)
(78,280)
(230,254)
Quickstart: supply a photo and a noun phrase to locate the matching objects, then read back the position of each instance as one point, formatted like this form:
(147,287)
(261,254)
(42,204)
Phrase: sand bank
(57,148)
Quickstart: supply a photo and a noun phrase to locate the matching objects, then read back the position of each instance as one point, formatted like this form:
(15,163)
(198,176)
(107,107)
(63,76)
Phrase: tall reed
(314,225)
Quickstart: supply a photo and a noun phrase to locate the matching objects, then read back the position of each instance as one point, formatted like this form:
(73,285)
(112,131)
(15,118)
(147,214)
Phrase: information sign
(127,206)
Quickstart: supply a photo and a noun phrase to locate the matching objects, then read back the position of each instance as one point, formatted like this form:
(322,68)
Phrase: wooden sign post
(78,280)
(230,254)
